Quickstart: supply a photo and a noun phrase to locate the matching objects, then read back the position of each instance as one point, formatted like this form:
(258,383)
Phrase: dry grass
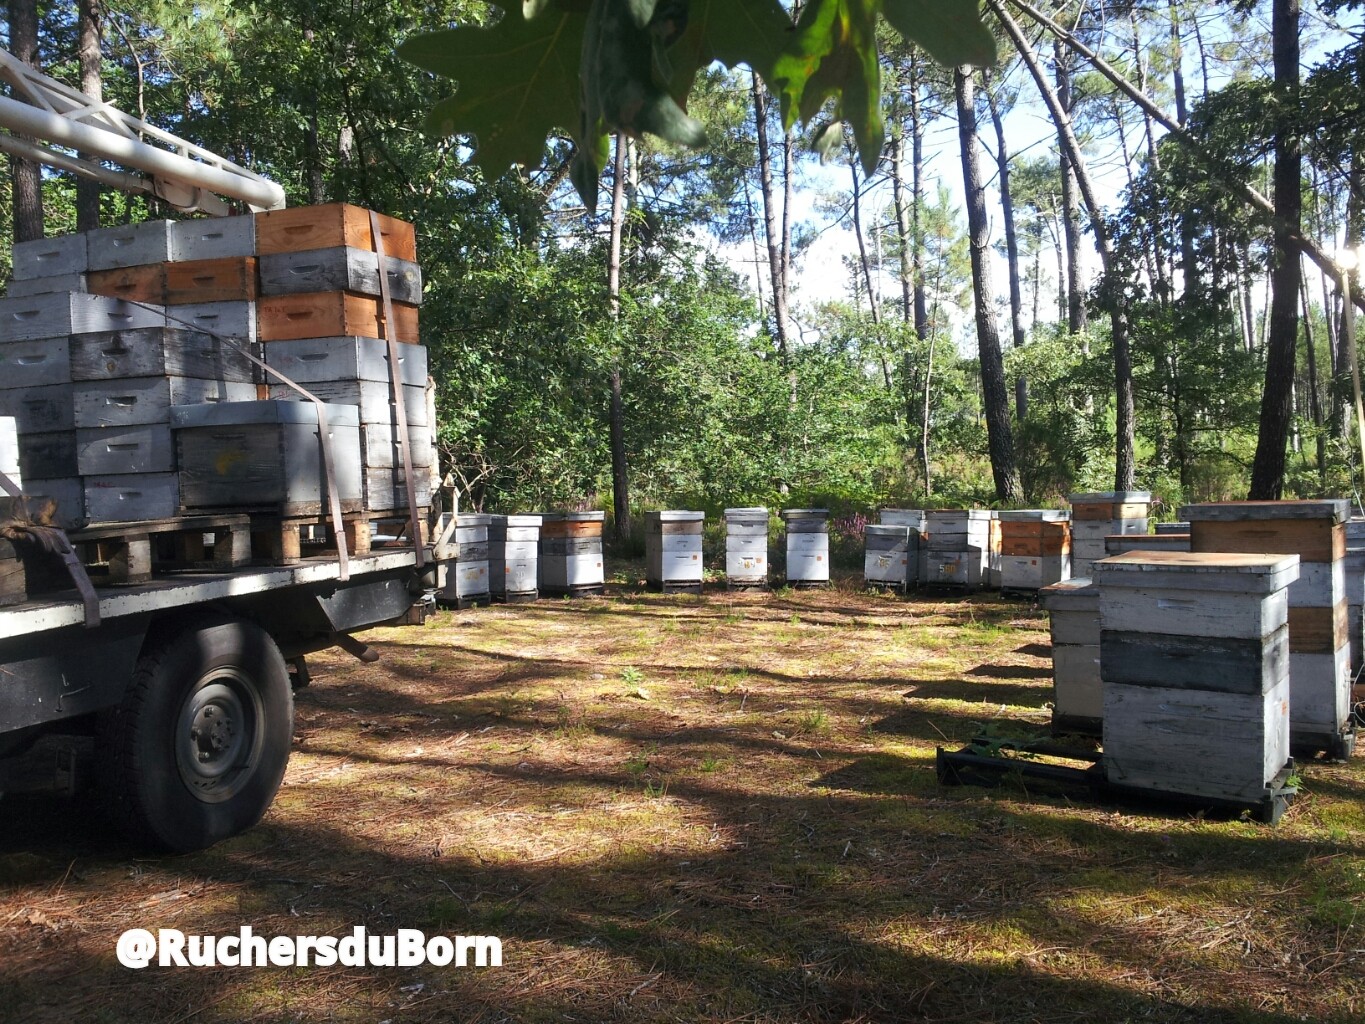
(725,809)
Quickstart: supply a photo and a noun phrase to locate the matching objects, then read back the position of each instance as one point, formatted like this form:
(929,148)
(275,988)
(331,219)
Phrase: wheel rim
(218,735)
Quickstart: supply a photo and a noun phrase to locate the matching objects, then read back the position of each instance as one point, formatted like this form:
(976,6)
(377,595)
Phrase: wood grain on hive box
(328,226)
(35,364)
(130,498)
(39,410)
(325,359)
(342,268)
(227,279)
(49,455)
(52,316)
(331,314)
(208,238)
(50,257)
(136,284)
(370,396)
(129,245)
(128,401)
(46,285)
(144,448)
(158,351)
(1214,663)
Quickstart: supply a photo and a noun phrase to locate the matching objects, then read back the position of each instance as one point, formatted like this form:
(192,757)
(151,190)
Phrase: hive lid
(747,513)
(1338,510)
(1184,570)
(888,529)
(804,513)
(1163,529)
(469,519)
(574,517)
(236,414)
(675,516)
(978,514)
(1035,515)
(516,520)
(1077,594)
(1112,497)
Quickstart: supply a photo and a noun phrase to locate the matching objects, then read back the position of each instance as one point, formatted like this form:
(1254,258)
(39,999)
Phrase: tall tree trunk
(995,396)
(1267,471)
(1124,465)
(1071,214)
(620,491)
(906,241)
(1002,163)
(917,198)
(92,84)
(25,175)
(863,261)
(1314,385)
(1188,255)
(772,221)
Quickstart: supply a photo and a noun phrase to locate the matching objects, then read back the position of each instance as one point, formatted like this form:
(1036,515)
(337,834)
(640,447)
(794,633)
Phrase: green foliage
(591,69)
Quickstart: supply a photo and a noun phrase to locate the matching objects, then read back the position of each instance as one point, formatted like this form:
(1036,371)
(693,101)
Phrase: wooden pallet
(121,553)
(285,540)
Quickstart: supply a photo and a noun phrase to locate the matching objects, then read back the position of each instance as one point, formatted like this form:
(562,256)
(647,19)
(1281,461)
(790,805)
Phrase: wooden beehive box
(58,314)
(807,545)
(266,456)
(157,351)
(60,256)
(1194,657)
(313,360)
(1073,608)
(513,556)
(571,552)
(129,245)
(141,448)
(746,547)
(1123,543)
(130,498)
(211,238)
(371,397)
(890,555)
(146,283)
(331,314)
(226,319)
(49,455)
(39,410)
(343,268)
(35,364)
(225,279)
(673,551)
(1035,548)
(1100,514)
(124,402)
(1319,644)
(328,226)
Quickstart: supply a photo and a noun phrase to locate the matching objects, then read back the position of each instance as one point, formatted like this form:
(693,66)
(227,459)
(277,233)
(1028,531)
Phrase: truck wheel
(197,750)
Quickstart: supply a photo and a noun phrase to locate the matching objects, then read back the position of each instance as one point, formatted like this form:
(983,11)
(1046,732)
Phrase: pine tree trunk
(1071,213)
(1267,471)
(905,239)
(1000,437)
(1314,384)
(917,199)
(25,175)
(1002,163)
(92,84)
(771,223)
(1189,256)
(620,499)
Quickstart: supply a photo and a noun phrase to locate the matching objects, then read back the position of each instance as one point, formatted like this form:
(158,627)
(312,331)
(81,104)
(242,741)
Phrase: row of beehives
(1017,550)
(1213,661)
(126,359)
(517,557)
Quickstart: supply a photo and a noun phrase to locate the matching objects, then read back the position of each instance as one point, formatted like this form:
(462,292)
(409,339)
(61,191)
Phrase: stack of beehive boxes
(1319,645)
(467,578)
(1355,590)
(913,520)
(807,546)
(512,558)
(319,316)
(1102,514)
(1122,543)
(1194,654)
(673,551)
(746,547)
(958,542)
(104,333)
(1073,608)
(571,559)
(1035,548)
(890,556)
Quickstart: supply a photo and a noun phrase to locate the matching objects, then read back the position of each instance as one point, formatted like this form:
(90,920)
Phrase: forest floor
(715,809)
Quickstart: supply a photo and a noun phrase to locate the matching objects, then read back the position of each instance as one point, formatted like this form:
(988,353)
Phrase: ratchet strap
(390,330)
(53,539)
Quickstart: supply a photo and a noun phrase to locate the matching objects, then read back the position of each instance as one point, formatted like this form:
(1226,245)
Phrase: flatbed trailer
(186,682)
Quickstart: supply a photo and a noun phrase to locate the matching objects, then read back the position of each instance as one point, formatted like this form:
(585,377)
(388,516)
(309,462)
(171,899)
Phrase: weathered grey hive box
(1319,615)
(9,448)
(673,552)
(468,576)
(1194,655)
(47,285)
(39,410)
(125,402)
(807,545)
(1035,548)
(513,554)
(335,359)
(54,315)
(229,319)
(48,456)
(341,268)
(157,351)
(1100,514)
(571,560)
(35,364)
(130,498)
(1176,527)
(66,495)
(211,238)
(1073,608)
(379,446)
(266,456)
(913,518)
(890,556)
(129,245)
(372,397)
(746,547)
(61,256)
(385,487)
(143,448)
(1355,589)
(957,547)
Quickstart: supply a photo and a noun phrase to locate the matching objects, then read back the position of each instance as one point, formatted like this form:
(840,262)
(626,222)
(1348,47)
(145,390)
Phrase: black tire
(197,750)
